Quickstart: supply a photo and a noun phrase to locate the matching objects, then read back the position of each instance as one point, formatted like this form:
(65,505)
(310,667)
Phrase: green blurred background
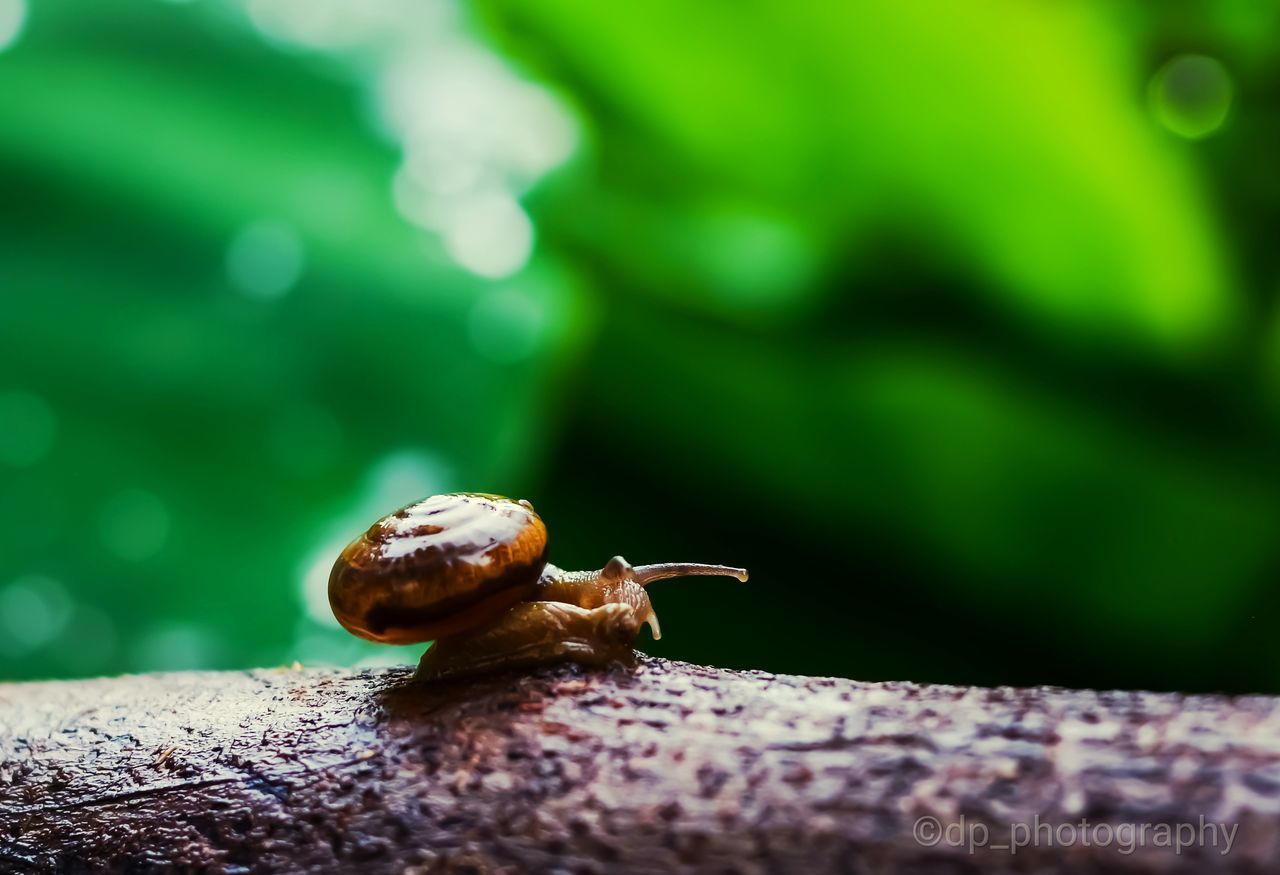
(956,324)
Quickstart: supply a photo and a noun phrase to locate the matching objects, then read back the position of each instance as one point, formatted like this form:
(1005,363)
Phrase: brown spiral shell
(440,566)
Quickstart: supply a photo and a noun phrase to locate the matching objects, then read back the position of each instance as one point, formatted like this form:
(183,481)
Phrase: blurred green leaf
(1001,140)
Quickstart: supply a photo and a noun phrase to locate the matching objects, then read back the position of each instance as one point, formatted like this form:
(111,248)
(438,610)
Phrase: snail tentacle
(647,574)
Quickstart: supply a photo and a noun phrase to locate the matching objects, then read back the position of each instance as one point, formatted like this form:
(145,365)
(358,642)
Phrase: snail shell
(444,565)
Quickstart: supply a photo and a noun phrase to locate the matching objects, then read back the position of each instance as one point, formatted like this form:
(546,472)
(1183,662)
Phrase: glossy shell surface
(439,567)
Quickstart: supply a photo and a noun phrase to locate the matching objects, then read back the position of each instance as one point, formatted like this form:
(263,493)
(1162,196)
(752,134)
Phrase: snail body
(469,571)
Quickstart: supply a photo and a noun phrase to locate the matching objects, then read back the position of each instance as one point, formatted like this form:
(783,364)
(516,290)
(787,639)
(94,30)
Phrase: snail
(469,572)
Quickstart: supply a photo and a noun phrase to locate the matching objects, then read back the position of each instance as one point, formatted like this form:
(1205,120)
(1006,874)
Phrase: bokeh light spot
(13,15)
(468,122)
(1191,95)
(177,647)
(33,610)
(413,201)
(543,134)
(134,525)
(314,583)
(400,478)
(328,24)
(314,647)
(490,235)
(443,171)
(505,325)
(27,428)
(265,259)
(753,262)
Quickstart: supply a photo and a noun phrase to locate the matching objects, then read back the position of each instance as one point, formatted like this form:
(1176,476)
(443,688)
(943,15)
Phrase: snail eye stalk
(647,574)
